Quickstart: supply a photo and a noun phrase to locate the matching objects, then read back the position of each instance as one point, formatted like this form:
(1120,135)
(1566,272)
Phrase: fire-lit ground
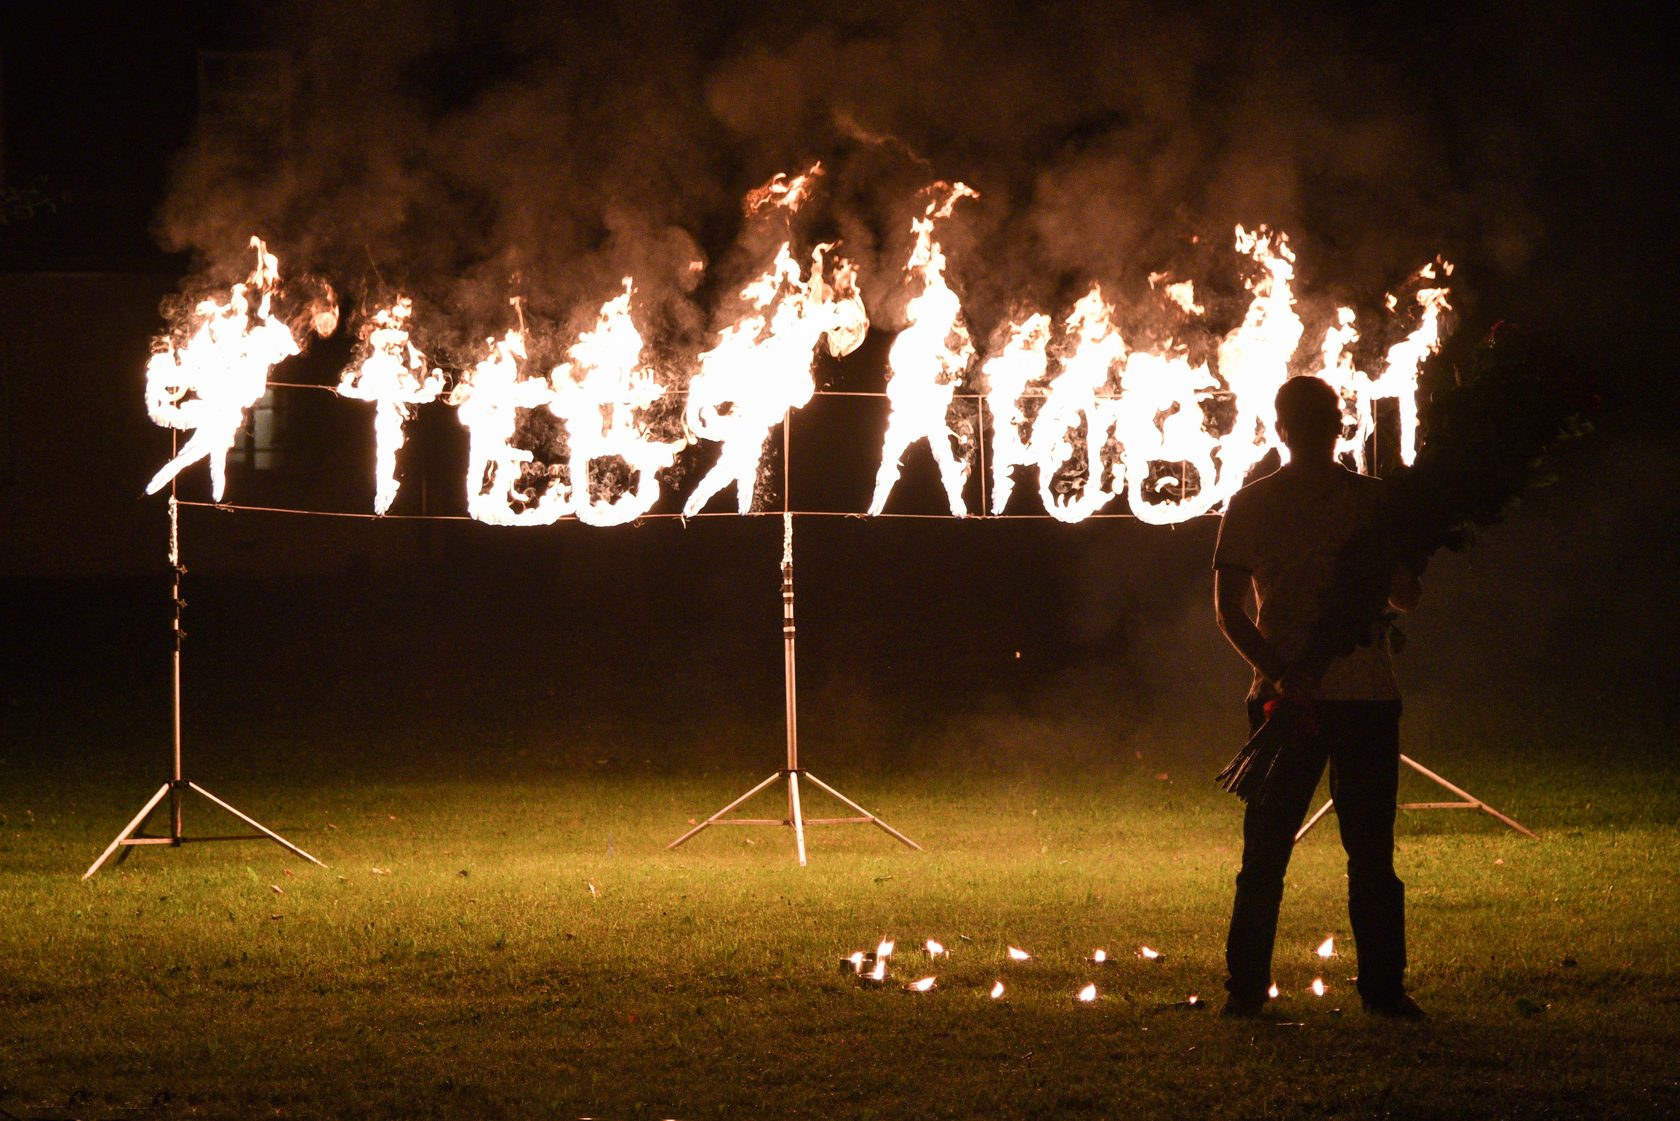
(499,936)
(492,777)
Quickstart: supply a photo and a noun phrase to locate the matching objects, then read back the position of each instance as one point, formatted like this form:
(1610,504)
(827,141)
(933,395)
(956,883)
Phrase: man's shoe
(1243,1008)
(1400,1007)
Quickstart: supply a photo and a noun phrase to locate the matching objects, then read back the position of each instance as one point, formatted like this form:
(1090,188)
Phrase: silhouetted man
(1281,535)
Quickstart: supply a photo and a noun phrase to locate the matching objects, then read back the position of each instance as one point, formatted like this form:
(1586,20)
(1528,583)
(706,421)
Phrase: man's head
(1309,417)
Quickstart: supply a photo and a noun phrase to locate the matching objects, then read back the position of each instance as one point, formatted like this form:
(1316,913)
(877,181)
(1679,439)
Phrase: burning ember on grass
(1018,954)
(934,949)
(1272,993)
(997,990)
(1148,954)
(1087,995)
(1327,948)
(884,950)
(1075,401)
(924,985)
(1099,957)
(1318,986)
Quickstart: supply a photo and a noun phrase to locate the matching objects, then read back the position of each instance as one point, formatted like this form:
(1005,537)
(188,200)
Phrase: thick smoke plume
(467,154)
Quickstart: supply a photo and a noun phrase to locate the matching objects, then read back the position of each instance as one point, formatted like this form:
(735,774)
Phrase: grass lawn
(516,941)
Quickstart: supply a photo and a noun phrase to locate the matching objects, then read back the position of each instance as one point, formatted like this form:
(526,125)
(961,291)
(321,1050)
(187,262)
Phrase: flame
(1406,357)
(935,949)
(922,985)
(885,949)
(927,360)
(1318,986)
(1019,362)
(856,959)
(487,399)
(879,973)
(1088,994)
(1018,954)
(759,370)
(1272,993)
(603,392)
(1099,956)
(1148,954)
(1327,948)
(210,382)
(1254,358)
(1073,427)
(393,376)
(1070,397)
(997,990)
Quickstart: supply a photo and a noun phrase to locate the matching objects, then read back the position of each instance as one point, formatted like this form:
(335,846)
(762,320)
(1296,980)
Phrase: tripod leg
(1314,819)
(725,810)
(1468,797)
(873,819)
(798,816)
(255,824)
(128,830)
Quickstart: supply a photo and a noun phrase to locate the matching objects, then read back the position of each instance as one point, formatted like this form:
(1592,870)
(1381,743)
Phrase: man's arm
(1230,609)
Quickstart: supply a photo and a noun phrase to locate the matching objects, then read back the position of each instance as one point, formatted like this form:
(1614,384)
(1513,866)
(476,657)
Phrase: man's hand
(1297,688)
(1405,590)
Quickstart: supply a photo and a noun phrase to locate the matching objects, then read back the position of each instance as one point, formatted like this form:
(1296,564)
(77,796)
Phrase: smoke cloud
(466,154)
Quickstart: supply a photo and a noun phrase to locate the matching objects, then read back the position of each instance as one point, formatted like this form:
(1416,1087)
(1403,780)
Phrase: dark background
(458,150)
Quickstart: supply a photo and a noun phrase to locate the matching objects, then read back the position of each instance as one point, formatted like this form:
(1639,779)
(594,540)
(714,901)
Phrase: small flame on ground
(879,973)
(1088,994)
(935,949)
(885,949)
(1272,993)
(997,990)
(1099,956)
(1018,954)
(1148,954)
(1327,948)
(857,960)
(1318,986)
(921,986)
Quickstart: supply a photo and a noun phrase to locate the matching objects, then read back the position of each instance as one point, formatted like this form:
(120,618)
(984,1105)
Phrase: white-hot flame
(884,950)
(1018,363)
(926,361)
(1405,360)
(393,376)
(856,959)
(997,990)
(1318,986)
(922,985)
(935,949)
(1073,428)
(1327,948)
(603,392)
(759,370)
(211,381)
(1088,994)
(1272,992)
(504,487)
(879,973)
(1099,956)
(1148,954)
(1018,954)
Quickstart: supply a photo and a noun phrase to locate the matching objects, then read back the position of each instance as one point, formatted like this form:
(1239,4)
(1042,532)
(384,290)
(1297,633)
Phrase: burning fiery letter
(222,370)
(603,393)
(488,399)
(393,376)
(1017,364)
(926,361)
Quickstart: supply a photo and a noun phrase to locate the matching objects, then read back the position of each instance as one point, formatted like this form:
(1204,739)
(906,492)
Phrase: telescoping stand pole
(793,772)
(179,786)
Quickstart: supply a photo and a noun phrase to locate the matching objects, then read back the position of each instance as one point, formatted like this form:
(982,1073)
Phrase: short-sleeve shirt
(1287,530)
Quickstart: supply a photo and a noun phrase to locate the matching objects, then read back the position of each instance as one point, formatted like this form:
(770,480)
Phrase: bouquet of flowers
(1489,435)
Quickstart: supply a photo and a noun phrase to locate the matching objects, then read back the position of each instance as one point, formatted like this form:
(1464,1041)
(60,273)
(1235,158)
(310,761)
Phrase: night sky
(465,152)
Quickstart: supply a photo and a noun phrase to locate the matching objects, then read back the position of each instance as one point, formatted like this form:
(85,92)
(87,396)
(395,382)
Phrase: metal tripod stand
(178,787)
(792,772)
(1469,802)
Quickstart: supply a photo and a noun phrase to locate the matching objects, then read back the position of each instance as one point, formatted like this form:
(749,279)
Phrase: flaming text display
(1068,405)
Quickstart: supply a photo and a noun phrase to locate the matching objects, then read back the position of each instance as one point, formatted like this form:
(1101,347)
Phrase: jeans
(1361,741)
